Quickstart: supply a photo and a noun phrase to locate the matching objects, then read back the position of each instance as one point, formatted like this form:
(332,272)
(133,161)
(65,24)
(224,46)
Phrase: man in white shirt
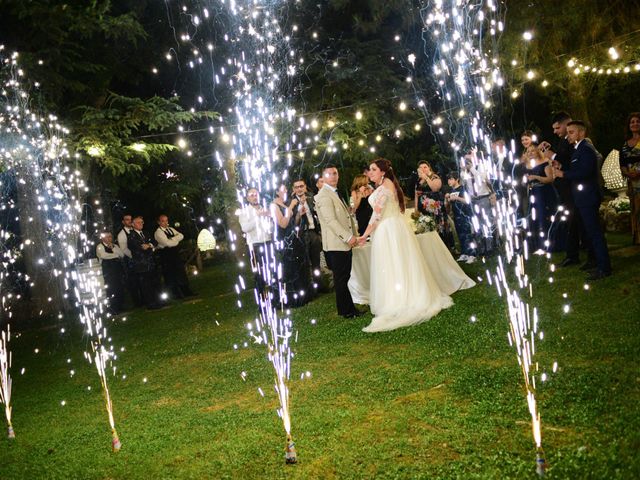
(173,268)
(257,224)
(123,236)
(483,201)
(110,257)
(124,233)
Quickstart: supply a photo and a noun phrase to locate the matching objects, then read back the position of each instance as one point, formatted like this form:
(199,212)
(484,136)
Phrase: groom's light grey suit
(338,228)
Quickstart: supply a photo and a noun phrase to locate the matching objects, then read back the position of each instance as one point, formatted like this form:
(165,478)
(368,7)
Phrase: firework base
(11,434)
(541,464)
(115,442)
(290,456)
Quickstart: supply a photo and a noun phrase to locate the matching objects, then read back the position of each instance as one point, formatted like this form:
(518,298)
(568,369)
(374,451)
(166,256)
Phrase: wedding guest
(483,201)
(173,268)
(584,176)
(543,202)
(256,224)
(308,224)
(560,153)
(630,167)
(528,142)
(498,156)
(319,183)
(131,278)
(428,199)
(460,205)
(110,257)
(291,250)
(144,265)
(360,207)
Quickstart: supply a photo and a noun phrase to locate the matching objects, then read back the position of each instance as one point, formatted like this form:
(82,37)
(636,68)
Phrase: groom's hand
(353,241)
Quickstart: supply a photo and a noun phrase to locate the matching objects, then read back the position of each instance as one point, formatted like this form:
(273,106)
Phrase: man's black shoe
(567,262)
(588,265)
(355,314)
(598,275)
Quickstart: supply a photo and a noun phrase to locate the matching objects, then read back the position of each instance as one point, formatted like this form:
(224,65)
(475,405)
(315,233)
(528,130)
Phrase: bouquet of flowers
(425,223)
(620,204)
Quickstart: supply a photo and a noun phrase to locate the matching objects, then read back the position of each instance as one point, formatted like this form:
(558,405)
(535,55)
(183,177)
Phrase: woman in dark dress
(630,167)
(360,207)
(429,199)
(296,269)
(543,202)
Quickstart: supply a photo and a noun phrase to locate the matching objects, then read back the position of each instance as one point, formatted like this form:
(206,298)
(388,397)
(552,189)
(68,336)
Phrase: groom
(338,237)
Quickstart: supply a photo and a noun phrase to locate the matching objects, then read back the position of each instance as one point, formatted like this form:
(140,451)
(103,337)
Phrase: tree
(569,39)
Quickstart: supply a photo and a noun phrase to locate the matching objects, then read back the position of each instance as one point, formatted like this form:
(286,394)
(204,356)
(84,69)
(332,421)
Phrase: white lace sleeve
(382,195)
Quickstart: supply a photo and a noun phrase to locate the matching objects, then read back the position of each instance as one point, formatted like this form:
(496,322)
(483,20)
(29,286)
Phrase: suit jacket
(142,261)
(584,175)
(304,221)
(336,221)
(564,151)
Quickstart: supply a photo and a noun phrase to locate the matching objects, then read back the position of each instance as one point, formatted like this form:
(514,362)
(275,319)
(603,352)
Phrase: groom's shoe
(355,314)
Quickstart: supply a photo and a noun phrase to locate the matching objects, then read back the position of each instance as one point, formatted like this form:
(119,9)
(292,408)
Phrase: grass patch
(440,400)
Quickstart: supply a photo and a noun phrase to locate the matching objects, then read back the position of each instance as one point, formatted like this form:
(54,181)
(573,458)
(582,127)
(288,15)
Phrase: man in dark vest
(173,268)
(307,221)
(144,266)
(131,278)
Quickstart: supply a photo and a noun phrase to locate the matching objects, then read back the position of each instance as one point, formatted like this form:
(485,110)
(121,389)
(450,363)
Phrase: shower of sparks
(5,377)
(259,68)
(34,154)
(462,45)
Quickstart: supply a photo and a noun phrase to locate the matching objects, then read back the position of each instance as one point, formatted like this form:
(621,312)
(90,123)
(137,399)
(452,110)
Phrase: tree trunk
(45,288)
(233,222)
(577,94)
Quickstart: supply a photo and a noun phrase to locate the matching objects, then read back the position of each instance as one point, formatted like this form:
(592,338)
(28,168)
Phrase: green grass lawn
(440,400)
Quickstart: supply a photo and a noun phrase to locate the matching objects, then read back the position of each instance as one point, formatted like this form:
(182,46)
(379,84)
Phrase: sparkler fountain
(5,379)
(463,49)
(259,69)
(35,154)
(261,90)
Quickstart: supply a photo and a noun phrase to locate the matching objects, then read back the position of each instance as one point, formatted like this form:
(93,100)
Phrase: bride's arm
(381,199)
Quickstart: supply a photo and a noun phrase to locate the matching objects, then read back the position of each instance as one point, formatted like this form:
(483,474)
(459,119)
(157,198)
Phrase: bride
(403,290)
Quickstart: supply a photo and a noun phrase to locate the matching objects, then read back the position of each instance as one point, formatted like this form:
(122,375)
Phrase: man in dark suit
(143,264)
(584,177)
(307,221)
(131,278)
(560,154)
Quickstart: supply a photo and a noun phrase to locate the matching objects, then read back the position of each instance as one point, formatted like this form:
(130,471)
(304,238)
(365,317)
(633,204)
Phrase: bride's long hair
(385,166)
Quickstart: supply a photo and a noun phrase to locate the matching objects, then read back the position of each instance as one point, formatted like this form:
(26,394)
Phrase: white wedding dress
(403,291)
